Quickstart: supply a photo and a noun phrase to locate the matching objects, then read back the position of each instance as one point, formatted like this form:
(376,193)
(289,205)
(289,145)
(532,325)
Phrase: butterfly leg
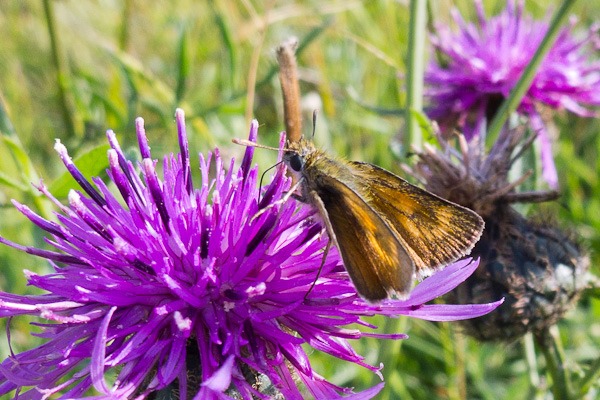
(286,197)
(318,203)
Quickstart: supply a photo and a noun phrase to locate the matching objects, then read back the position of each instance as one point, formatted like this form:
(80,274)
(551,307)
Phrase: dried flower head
(200,291)
(538,269)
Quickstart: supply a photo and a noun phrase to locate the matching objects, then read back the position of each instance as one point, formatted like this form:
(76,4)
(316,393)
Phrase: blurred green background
(72,69)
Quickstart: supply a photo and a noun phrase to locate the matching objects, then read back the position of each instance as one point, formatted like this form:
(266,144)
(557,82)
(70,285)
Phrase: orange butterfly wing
(433,230)
(375,259)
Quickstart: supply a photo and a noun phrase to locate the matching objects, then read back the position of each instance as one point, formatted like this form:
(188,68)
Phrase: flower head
(484,61)
(205,289)
(539,270)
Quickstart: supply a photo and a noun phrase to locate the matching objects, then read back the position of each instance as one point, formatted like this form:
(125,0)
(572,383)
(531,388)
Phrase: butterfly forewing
(435,231)
(373,256)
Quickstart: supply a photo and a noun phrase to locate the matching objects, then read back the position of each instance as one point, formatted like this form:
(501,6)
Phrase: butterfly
(388,231)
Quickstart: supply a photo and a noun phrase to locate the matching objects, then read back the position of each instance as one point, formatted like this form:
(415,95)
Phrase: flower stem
(415,70)
(453,344)
(532,365)
(61,73)
(591,377)
(124,34)
(391,358)
(290,88)
(549,343)
(518,92)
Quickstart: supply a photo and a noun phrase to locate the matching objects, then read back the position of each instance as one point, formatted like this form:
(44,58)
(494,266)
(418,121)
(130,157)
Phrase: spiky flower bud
(537,269)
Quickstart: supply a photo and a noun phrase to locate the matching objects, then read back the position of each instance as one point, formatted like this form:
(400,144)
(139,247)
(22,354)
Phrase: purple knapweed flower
(200,290)
(482,62)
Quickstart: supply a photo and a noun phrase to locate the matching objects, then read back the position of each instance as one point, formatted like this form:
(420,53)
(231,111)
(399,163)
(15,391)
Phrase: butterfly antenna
(264,173)
(246,142)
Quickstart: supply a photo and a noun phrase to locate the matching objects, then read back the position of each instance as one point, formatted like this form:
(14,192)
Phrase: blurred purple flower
(169,273)
(484,61)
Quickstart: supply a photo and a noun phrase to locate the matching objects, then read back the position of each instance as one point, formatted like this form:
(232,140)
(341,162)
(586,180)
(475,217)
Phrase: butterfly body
(387,230)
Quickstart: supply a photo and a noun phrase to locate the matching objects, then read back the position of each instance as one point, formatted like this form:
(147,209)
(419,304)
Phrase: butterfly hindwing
(434,230)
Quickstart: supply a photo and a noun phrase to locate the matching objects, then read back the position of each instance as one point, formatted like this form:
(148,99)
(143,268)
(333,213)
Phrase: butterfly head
(296,154)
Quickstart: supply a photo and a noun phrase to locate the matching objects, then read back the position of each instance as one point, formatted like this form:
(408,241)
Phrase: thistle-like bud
(538,269)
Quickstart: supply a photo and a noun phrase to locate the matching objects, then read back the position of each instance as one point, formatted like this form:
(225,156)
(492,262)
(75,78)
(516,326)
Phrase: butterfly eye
(296,162)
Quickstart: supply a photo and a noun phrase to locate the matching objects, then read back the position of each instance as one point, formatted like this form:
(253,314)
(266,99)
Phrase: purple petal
(442,282)
(98,354)
(452,312)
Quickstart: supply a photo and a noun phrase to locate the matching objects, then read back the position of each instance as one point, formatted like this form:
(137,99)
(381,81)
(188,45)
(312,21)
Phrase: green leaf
(425,125)
(6,126)
(137,74)
(28,171)
(183,64)
(5,180)
(11,140)
(227,37)
(91,163)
